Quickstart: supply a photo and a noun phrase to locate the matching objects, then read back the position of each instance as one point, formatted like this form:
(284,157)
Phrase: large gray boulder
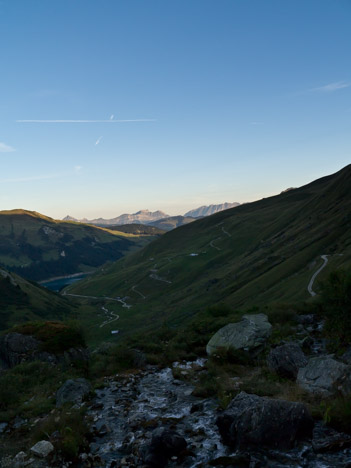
(325,376)
(73,391)
(286,360)
(250,334)
(253,421)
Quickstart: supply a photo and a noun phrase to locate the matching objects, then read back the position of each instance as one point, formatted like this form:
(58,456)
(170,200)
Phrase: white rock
(42,449)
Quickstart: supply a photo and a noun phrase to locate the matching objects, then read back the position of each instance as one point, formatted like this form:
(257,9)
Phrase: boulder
(16,348)
(42,449)
(165,444)
(73,391)
(286,360)
(253,421)
(250,334)
(325,376)
(346,357)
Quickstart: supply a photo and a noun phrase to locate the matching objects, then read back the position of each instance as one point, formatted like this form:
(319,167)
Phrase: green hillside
(172,222)
(22,301)
(38,247)
(257,253)
(138,229)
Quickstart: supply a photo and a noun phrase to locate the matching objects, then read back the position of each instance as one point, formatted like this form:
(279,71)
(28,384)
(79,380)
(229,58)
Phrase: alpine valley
(223,342)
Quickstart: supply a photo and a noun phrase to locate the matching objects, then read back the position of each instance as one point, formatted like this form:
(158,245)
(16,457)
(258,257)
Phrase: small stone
(42,449)
(3,426)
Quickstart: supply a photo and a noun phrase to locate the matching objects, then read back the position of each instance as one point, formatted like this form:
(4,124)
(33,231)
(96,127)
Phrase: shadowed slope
(256,253)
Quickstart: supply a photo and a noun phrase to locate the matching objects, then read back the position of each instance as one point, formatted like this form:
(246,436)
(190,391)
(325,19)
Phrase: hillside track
(310,284)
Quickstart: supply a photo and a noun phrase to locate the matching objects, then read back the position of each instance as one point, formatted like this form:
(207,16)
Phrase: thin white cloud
(86,121)
(32,178)
(98,141)
(6,148)
(331,87)
(57,175)
(112,117)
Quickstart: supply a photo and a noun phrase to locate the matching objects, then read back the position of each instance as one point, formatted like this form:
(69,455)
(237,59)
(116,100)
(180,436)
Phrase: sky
(112,106)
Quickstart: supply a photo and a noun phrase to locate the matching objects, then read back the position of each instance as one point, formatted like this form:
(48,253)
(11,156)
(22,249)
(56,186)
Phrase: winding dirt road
(310,284)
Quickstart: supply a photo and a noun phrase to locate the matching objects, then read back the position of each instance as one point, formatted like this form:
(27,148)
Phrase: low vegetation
(55,337)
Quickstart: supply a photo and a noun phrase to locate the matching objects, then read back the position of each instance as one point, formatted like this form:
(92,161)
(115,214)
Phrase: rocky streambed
(152,419)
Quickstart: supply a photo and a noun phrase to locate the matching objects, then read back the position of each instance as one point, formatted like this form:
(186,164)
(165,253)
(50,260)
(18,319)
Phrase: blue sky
(239,99)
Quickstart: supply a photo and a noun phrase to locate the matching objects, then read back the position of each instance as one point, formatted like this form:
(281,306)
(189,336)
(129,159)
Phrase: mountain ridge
(149,217)
(257,253)
(207,210)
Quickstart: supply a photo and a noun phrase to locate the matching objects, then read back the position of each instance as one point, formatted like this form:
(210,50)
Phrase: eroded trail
(310,284)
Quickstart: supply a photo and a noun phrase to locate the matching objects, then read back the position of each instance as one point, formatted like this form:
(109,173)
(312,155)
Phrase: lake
(59,283)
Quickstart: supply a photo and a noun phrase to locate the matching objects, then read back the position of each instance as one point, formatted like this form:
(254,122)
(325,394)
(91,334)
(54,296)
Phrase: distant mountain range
(209,210)
(153,217)
(141,217)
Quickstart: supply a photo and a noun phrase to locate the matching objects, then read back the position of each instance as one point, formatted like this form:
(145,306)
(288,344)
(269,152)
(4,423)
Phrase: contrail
(86,121)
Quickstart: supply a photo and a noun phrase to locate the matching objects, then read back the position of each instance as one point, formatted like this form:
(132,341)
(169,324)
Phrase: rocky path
(132,409)
(127,412)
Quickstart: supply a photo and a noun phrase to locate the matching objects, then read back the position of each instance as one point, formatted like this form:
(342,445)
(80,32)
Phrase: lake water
(59,283)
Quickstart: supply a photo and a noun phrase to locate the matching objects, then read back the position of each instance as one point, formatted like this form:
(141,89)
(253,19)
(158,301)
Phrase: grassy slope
(138,229)
(22,301)
(268,252)
(167,224)
(38,247)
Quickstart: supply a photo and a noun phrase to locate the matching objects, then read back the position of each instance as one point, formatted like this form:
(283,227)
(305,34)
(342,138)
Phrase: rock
(253,421)
(19,422)
(286,360)
(165,444)
(250,334)
(346,357)
(326,439)
(76,354)
(307,319)
(3,427)
(325,376)
(102,428)
(73,391)
(42,449)
(20,458)
(239,460)
(196,407)
(16,348)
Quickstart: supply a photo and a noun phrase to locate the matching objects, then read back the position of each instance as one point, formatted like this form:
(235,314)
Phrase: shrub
(72,428)
(337,414)
(335,303)
(219,310)
(56,337)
